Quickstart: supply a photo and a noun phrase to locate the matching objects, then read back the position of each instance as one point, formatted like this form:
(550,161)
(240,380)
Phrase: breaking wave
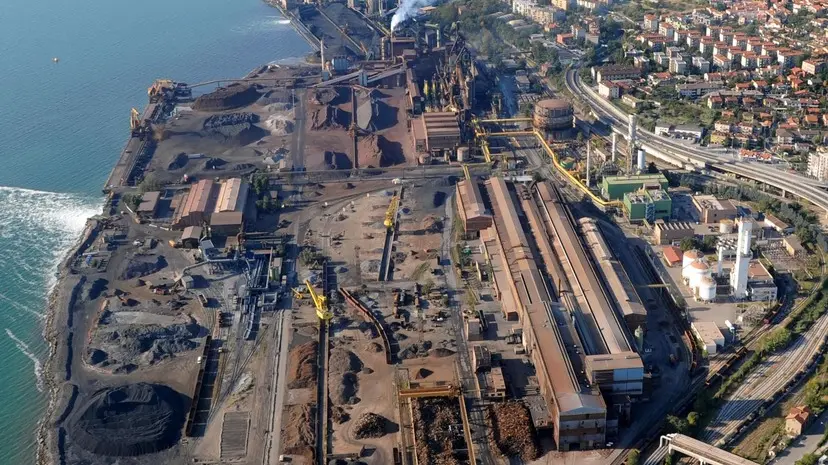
(24,348)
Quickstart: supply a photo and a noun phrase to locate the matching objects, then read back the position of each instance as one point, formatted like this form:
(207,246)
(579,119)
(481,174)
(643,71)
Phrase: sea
(63,124)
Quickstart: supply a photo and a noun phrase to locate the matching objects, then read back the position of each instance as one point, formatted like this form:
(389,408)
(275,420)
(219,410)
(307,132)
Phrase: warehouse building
(666,233)
(471,208)
(436,131)
(614,187)
(218,204)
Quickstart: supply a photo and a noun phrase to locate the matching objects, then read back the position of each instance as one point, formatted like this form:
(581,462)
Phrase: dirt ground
(373,393)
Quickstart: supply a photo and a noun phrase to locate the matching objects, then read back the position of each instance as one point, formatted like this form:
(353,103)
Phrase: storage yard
(328,263)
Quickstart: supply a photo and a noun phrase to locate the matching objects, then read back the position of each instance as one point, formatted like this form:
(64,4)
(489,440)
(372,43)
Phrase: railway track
(779,371)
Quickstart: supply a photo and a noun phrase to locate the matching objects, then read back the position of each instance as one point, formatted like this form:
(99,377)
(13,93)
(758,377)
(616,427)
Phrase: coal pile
(129,420)
(227,98)
(512,432)
(230,119)
(142,265)
(114,345)
(370,425)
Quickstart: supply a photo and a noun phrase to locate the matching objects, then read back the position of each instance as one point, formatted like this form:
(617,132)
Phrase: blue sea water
(62,126)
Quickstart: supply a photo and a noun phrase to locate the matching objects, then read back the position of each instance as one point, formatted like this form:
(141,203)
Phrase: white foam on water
(38,228)
(264,24)
(24,348)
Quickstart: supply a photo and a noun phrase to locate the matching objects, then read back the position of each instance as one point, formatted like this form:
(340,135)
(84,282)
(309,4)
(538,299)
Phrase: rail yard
(362,260)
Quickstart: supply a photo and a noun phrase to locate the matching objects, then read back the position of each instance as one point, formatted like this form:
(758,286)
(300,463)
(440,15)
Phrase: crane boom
(466,172)
(320,302)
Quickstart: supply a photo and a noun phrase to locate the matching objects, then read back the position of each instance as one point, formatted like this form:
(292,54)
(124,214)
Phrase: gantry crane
(391,213)
(320,302)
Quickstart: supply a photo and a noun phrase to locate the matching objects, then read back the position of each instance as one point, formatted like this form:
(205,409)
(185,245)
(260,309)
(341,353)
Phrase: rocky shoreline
(58,308)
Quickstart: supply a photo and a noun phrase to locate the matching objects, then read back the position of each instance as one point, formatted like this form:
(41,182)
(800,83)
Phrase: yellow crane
(320,302)
(391,213)
(297,292)
(466,172)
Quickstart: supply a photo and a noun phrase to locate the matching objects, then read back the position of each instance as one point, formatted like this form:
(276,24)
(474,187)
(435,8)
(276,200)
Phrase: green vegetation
(149,184)
(634,457)
(132,201)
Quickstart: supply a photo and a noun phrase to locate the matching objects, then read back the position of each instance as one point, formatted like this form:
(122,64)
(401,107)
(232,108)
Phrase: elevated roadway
(706,454)
(680,154)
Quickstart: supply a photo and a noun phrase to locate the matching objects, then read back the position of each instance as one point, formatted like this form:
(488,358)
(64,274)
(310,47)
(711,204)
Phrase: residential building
(701,65)
(813,66)
(697,89)
(797,419)
(615,72)
(818,165)
(678,66)
(608,89)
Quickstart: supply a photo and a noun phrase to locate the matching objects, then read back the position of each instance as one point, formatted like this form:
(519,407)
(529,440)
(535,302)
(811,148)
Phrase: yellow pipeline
(572,178)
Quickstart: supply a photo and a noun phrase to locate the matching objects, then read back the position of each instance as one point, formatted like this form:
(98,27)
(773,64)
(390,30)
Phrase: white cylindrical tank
(642,161)
(462,154)
(726,226)
(707,289)
(689,257)
(695,272)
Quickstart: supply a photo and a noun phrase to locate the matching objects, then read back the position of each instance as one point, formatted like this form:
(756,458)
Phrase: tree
(652,168)
(709,243)
(260,183)
(688,243)
(633,457)
(149,184)
(676,424)
(693,418)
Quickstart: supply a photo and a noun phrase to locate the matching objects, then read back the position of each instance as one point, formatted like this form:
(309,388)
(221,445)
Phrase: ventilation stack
(739,273)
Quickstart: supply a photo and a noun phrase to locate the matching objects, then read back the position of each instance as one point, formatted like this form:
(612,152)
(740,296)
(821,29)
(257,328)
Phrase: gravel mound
(442,352)
(129,420)
(230,119)
(370,425)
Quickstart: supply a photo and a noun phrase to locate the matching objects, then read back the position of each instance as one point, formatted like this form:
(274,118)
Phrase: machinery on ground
(391,213)
(320,302)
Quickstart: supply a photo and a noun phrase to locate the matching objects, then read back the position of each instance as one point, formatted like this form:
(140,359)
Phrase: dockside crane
(391,213)
(320,302)
(137,127)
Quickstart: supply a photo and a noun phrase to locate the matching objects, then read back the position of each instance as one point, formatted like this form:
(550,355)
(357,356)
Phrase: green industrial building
(614,187)
(648,204)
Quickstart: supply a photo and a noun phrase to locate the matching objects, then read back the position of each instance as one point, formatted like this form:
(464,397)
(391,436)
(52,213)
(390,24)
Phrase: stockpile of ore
(512,432)
(370,425)
(227,98)
(435,424)
(129,420)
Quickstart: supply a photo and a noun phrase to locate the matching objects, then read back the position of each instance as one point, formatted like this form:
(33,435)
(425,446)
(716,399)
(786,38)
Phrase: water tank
(695,272)
(462,154)
(642,161)
(707,289)
(553,114)
(689,257)
(726,226)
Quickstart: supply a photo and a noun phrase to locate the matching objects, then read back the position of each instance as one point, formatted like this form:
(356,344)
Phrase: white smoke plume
(406,10)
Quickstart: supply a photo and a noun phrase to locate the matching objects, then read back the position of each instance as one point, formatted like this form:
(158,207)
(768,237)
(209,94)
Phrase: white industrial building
(709,334)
